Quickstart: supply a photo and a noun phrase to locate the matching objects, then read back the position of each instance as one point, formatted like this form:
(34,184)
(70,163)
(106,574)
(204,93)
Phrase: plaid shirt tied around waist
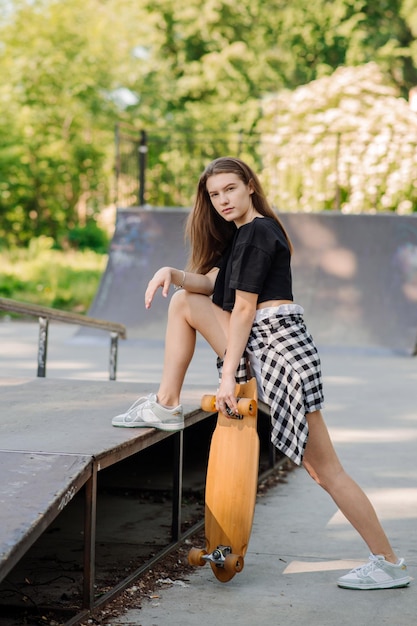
(290,376)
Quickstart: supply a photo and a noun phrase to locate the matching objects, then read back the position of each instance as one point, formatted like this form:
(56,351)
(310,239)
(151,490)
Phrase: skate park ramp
(355,275)
(143,241)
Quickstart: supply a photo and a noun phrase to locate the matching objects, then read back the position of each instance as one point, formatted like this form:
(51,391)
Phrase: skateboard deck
(231,485)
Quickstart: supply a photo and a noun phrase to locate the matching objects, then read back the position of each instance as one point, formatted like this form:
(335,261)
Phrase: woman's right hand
(162,278)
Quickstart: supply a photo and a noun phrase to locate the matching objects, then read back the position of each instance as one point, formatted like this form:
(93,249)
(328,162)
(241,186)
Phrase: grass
(66,280)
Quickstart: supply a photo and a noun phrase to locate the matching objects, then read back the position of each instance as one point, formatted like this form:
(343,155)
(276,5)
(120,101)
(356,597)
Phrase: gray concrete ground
(300,542)
(75,355)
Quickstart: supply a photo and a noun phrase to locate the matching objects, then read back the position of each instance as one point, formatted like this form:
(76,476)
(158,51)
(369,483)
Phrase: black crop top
(257,261)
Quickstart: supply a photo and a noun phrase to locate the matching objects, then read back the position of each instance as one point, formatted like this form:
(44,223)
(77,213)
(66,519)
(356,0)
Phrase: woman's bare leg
(187,314)
(322,463)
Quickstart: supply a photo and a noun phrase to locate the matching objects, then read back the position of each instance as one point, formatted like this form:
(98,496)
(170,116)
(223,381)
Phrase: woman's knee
(201,314)
(182,302)
(178,299)
(324,475)
(320,458)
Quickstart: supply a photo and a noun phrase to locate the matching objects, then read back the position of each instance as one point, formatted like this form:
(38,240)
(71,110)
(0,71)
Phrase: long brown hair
(208,233)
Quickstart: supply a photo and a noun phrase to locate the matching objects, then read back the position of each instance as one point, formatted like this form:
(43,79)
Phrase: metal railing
(46,314)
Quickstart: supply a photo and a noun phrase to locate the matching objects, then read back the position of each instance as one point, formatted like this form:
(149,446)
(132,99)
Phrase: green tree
(212,63)
(222,53)
(190,72)
(57,113)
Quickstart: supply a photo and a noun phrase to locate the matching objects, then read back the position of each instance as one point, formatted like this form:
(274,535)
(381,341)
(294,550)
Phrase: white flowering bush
(346,141)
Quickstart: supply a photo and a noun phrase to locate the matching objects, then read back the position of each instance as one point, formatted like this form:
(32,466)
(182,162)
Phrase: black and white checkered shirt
(289,375)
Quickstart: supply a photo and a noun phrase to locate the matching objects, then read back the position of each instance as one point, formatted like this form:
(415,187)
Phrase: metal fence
(162,170)
(336,171)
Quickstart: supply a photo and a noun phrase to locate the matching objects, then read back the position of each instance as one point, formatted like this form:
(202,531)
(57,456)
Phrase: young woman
(237,293)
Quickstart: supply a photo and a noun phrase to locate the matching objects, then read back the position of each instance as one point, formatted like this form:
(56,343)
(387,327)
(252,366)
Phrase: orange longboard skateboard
(231,485)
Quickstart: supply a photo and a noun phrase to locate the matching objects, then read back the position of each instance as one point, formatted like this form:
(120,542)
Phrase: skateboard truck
(218,556)
(233,415)
(223,557)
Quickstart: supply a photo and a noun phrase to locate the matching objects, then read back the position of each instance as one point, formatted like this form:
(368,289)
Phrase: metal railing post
(117,167)
(177,484)
(113,355)
(143,150)
(90,521)
(42,346)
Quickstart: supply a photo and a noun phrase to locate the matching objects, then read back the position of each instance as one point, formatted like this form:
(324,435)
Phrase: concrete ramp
(143,242)
(355,275)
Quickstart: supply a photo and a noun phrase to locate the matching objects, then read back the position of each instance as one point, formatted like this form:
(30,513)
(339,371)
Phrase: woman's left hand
(225,397)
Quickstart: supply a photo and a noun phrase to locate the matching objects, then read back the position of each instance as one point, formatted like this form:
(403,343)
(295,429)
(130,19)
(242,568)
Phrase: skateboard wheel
(208,403)
(234,563)
(246,406)
(195,557)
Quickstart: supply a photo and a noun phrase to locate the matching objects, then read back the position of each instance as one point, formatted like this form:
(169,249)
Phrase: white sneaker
(377,574)
(147,413)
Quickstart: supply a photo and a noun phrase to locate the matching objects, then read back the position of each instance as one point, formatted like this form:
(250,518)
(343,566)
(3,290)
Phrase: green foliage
(56,116)
(89,237)
(41,275)
(70,70)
